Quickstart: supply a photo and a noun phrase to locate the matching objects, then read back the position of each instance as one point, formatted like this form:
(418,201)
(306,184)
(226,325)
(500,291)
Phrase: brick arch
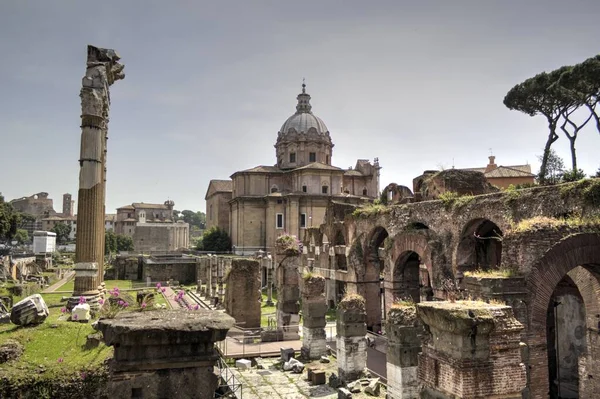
(575,250)
(467,245)
(415,242)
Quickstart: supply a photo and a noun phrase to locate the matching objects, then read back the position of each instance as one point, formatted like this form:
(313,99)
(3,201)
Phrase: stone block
(243,364)
(31,310)
(343,393)
(318,377)
(351,329)
(81,313)
(373,387)
(287,354)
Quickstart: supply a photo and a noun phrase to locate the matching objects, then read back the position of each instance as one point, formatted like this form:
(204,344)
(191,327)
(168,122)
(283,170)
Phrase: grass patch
(370,210)
(267,311)
(54,347)
(543,222)
(503,272)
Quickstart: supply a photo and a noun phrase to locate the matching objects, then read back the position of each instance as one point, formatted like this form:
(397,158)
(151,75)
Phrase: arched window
(274,188)
(365,192)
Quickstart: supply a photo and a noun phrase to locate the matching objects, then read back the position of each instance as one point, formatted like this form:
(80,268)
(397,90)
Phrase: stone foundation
(404,345)
(162,354)
(472,351)
(314,309)
(351,341)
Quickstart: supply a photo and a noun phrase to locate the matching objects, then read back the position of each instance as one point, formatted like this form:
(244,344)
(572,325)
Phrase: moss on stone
(352,302)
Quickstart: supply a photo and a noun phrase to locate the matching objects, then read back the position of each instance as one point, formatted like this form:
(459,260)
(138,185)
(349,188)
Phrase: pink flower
(60,360)
(143,306)
(101,301)
(163,289)
(196,307)
(158,285)
(63,310)
(121,302)
(74,317)
(82,300)
(83,375)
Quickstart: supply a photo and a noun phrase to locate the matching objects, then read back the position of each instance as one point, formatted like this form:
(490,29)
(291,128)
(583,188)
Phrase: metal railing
(229,386)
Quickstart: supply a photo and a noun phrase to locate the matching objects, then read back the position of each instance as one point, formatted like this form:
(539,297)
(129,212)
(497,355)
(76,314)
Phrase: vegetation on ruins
(352,301)
(567,97)
(62,231)
(21,236)
(196,220)
(543,222)
(502,272)
(453,199)
(288,244)
(214,239)
(588,189)
(370,210)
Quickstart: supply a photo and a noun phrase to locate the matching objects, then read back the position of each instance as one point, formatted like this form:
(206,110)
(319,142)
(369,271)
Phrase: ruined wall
(242,293)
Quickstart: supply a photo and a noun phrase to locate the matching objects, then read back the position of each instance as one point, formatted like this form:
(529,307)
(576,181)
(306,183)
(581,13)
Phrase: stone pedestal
(404,345)
(472,351)
(314,309)
(164,354)
(351,341)
(85,285)
(288,292)
(243,293)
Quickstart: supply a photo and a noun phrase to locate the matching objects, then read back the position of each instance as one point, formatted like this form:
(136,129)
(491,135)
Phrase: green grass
(267,311)
(55,346)
(110,284)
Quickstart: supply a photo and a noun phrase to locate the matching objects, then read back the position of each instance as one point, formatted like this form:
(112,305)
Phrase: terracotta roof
(352,172)
(318,165)
(110,216)
(149,206)
(505,171)
(261,169)
(222,185)
(126,207)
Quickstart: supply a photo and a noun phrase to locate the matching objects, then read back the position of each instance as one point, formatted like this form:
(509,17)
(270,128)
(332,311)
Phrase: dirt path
(59,283)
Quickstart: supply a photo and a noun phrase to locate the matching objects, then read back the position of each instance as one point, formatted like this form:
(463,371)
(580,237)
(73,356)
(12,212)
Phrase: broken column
(288,308)
(403,331)
(213,276)
(164,353)
(220,274)
(471,351)
(103,69)
(351,337)
(269,265)
(243,292)
(314,308)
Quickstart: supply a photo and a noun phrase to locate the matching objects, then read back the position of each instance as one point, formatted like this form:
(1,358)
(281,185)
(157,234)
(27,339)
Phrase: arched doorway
(555,310)
(566,339)
(371,284)
(480,246)
(406,279)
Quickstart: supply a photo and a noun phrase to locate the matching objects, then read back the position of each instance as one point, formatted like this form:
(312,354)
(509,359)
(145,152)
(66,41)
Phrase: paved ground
(273,383)
(59,283)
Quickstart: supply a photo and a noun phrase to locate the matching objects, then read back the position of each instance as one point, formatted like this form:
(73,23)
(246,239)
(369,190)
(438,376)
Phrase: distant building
(68,205)
(44,242)
(109,221)
(152,227)
(267,201)
(36,205)
(48,223)
(504,176)
(217,199)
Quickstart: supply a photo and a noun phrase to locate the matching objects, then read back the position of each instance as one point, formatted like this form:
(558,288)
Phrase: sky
(418,84)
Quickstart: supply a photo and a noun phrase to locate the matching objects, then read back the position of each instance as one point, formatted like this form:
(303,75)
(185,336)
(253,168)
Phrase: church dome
(303,120)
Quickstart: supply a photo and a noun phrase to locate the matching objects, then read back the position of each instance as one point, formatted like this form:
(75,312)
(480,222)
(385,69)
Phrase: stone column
(164,354)
(220,273)
(288,294)
(403,330)
(472,351)
(103,69)
(314,308)
(213,276)
(269,264)
(351,341)
(243,292)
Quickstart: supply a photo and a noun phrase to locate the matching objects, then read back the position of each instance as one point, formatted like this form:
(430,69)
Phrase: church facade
(292,195)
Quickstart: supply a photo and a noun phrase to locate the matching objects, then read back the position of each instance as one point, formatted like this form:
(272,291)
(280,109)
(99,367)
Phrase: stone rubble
(31,310)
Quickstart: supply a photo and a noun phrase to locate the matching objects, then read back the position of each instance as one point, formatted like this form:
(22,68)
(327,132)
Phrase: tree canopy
(215,239)
(116,242)
(9,220)
(567,97)
(62,231)
(196,220)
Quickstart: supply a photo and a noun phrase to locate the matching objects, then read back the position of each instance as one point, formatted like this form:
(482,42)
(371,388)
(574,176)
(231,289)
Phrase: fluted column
(103,69)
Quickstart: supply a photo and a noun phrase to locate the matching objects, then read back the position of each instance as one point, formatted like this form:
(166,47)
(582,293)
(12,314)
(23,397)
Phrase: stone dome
(303,120)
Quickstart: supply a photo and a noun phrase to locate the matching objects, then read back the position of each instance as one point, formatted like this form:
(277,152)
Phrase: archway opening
(566,339)
(406,277)
(340,261)
(480,246)
(373,279)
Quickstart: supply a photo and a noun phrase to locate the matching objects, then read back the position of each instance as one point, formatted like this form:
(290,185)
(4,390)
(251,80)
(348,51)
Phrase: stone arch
(573,251)
(406,278)
(479,246)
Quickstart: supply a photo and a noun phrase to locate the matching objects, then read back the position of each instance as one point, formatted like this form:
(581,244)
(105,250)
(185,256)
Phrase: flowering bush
(113,305)
(288,244)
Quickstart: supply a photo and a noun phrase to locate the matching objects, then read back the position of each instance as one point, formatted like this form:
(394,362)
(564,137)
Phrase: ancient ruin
(103,69)
(351,342)
(314,307)
(242,298)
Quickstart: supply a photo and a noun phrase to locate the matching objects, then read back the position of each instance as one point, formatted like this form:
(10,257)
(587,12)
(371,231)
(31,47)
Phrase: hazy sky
(418,84)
